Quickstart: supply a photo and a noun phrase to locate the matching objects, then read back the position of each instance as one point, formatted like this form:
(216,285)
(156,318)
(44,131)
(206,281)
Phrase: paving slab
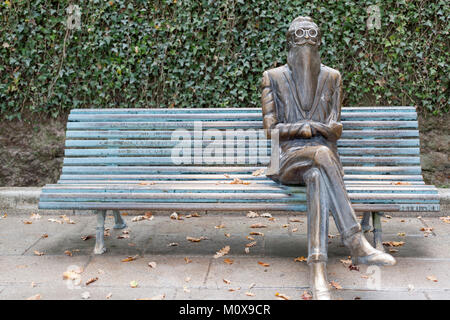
(170,271)
(39,269)
(245,271)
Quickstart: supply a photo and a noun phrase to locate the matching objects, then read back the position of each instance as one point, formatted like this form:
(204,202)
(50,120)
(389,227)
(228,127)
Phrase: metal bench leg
(119,223)
(377,231)
(365,222)
(100,232)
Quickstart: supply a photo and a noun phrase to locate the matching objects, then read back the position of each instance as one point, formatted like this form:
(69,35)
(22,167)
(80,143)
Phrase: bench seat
(122,159)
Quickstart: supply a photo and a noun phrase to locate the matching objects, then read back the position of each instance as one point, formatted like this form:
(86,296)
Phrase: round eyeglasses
(301,33)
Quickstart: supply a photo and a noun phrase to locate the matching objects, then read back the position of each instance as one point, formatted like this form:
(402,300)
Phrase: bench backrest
(377,144)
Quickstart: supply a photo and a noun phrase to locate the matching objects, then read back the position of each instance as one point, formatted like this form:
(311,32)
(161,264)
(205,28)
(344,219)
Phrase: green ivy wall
(211,53)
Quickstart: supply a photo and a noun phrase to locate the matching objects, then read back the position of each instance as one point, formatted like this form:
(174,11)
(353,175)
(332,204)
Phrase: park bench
(122,159)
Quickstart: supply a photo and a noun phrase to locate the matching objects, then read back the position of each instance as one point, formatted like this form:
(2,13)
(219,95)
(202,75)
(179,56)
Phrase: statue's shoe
(363,253)
(318,280)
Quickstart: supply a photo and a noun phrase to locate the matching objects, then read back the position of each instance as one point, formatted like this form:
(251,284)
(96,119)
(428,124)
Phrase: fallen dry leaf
(401,183)
(228,261)
(148,216)
(72,274)
(109,296)
(263,264)
(193,215)
(68,253)
(295,230)
(239,181)
(393,243)
(172,244)
(130,258)
(84,238)
(252,286)
(145,183)
(247,250)
(33,284)
(35,216)
(300,259)
(187,260)
(35,297)
(227,235)
(392,250)
(91,280)
(134,284)
(123,236)
(226,281)
(255,233)
(428,229)
(44,236)
(252,214)
(445,219)
(282,296)
(401,234)
(258,225)
(27,222)
(55,220)
(38,253)
(266,215)
(195,239)
(258,172)
(225,250)
(152,264)
(295,220)
(234,289)
(432,278)
(220,226)
(335,285)
(251,244)
(250,294)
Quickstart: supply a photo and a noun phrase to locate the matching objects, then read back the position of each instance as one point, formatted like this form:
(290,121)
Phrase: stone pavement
(25,274)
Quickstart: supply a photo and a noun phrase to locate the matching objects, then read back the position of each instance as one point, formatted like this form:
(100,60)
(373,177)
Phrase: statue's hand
(305,131)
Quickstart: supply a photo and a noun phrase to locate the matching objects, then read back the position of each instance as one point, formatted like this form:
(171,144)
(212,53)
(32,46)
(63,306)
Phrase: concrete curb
(24,200)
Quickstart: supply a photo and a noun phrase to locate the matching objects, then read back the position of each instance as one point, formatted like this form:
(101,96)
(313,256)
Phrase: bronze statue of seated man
(302,100)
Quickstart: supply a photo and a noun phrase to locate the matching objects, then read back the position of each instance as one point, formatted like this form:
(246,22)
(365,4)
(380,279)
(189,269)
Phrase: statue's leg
(317,234)
(344,215)
(365,222)
(100,232)
(377,241)
(118,221)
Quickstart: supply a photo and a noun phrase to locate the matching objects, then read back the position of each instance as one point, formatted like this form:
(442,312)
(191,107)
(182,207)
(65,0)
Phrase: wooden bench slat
(398,170)
(221,177)
(167,111)
(205,186)
(170,143)
(247,160)
(227,116)
(237,150)
(227,206)
(234,125)
(160,134)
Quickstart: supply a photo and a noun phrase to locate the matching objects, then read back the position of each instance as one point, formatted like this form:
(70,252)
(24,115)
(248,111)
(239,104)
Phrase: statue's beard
(304,62)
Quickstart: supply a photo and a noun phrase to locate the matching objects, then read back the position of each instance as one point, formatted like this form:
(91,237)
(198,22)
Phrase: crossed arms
(304,129)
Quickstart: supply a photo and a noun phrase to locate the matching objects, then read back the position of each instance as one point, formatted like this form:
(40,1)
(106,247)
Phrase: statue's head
(303,31)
